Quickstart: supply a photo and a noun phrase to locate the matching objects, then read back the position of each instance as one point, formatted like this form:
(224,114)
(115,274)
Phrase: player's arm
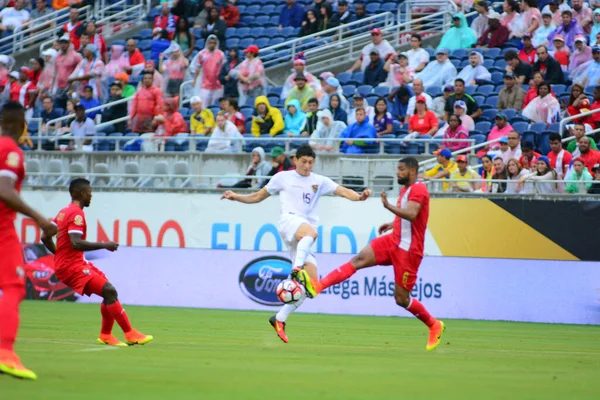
(49,242)
(351,194)
(251,198)
(77,243)
(409,213)
(11,198)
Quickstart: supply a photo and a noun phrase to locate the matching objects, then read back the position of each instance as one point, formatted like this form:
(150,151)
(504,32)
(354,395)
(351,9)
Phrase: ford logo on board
(260,277)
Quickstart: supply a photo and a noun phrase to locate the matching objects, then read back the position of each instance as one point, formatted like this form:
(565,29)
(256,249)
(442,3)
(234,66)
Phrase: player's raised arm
(351,194)
(251,198)
(79,244)
(409,213)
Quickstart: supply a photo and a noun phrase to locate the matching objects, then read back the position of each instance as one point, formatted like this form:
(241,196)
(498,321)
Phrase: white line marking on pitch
(98,349)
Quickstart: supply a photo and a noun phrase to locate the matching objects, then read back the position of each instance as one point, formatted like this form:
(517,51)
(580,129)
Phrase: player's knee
(109,292)
(401,299)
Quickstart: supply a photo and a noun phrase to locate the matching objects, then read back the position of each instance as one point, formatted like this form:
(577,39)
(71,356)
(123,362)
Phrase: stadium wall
(458,227)
(469,288)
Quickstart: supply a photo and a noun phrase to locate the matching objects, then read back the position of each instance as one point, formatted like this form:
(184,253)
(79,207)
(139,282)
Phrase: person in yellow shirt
(443,170)
(202,120)
(464,172)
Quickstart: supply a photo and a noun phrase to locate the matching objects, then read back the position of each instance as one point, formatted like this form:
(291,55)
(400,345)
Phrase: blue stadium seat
(431,51)
(247,112)
(434,91)
(372,99)
(488,63)
(485,89)
(492,53)
(381,91)
(479,138)
(262,42)
(554,127)
(230,32)
(144,34)
(480,99)
(538,127)
(479,50)
(559,90)
(504,51)
(497,77)
(544,142)
(344,77)
(510,113)
(456,63)
(470,90)
(276,90)
(246,42)
(373,8)
(274,21)
(358,76)
(520,126)
(232,42)
(260,21)
(271,32)
(364,90)
(388,7)
(490,114)
(288,31)
(246,20)
(185,112)
(484,127)
(276,41)
(528,136)
(348,91)
(268,9)
(144,45)
(460,53)
(491,101)
(501,63)
(241,32)
(258,31)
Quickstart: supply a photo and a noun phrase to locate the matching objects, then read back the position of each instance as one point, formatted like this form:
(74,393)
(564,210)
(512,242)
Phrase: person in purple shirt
(383,119)
(569,29)
(291,14)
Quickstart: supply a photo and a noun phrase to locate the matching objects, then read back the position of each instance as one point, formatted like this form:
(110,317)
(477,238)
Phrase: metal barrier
(563,123)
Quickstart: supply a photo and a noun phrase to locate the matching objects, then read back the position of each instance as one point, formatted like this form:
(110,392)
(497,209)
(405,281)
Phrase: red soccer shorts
(11,262)
(406,264)
(85,279)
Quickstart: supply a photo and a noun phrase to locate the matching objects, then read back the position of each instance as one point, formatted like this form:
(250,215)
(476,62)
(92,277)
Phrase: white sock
(303,250)
(287,309)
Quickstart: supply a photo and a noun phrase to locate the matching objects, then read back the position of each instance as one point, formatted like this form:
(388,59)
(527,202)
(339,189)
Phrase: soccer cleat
(110,340)
(435,335)
(11,365)
(134,337)
(301,276)
(279,328)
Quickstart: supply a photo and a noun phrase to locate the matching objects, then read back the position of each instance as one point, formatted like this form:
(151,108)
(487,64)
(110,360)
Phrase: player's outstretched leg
(106,336)
(436,327)
(306,236)
(10,363)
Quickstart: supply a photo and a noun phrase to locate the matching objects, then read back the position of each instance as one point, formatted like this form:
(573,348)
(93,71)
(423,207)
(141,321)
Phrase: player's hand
(384,228)
(229,195)
(49,228)
(365,194)
(384,199)
(111,246)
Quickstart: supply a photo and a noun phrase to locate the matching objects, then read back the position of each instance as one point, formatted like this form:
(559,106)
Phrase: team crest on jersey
(60,217)
(86,271)
(12,160)
(315,188)
(20,272)
(78,220)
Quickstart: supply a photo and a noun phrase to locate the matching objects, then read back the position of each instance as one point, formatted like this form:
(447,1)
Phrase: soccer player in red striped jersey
(12,276)
(403,248)
(75,271)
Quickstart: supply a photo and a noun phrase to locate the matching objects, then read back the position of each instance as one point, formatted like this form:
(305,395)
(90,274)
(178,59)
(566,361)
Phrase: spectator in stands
(531,94)
(473,109)
(228,73)
(230,13)
(202,120)
(81,127)
(184,37)
(475,73)
(325,13)
(6,64)
(594,119)
(549,67)
(114,112)
(147,103)
(382,120)
(544,108)
(528,53)
(588,74)
(514,174)
(528,157)
(500,130)
(311,117)
(300,68)
(74,28)
(160,43)
(596,26)
(419,91)
(374,74)
(84,40)
(234,115)
(12,89)
(291,14)
(357,134)
(496,35)
(13,19)
(251,75)
(400,98)
(443,169)
(460,109)
(528,21)
(170,119)
(135,57)
(589,156)
(464,172)
(122,80)
(511,96)
(215,26)
(579,173)
(359,101)
(523,72)
(279,161)
(119,64)
(184,8)
(88,101)
(258,167)
(423,121)
(438,72)
(561,53)
(510,13)
(336,108)
(439,103)
(595,188)
(568,30)
(41,10)
(500,174)
(555,8)
(97,39)
(47,77)
(301,92)
(579,133)
(49,113)
(455,131)
(459,36)
(329,129)
(398,71)
(89,72)
(583,15)
(418,57)
(513,149)
(578,100)
(378,43)
(560,159)
(206,67)
(540,37)
(581,55)
(66,62)
(166,20)
(267,120)
(174,69)
(225,138)
(295,119)
(487,173)
(343,15)
(330,88)
(202,17)
(480,23)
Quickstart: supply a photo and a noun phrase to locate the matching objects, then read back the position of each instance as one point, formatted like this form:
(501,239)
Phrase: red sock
(107,320)
(118,313)
(418,310)
(336,276)
(9,316)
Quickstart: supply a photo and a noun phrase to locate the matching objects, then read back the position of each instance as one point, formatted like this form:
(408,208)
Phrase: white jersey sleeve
(275,185)
(328,185)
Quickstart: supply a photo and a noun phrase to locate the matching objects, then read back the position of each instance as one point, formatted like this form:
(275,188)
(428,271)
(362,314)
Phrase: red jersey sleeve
(11,160)
(419,194)
(76,222)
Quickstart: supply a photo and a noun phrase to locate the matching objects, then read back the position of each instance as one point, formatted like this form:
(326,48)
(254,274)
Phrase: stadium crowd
(494,76)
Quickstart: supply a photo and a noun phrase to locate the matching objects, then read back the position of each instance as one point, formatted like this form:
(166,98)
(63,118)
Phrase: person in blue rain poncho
(356,134)
(460,36)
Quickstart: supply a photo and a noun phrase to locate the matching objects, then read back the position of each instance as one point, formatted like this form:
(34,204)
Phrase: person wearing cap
(300,68)
(358,134)
(540,36)
(12,90)
(568,30)
(374,74)
(398,71)
(496,35)
(418,91)
(473,109)
(511,96)
(442,170)
(301,92)
(582,53)
(480,23)
(583,14)
(66,62)
(595,188)
(528,53)
(500,130)
(589,74)
(439,103)
(549,67)
(89,71)
(146,104)
(417,56)
(460,109)
(206,67)
(383,47)
(166,20)
(561,53)
(474,73)
(329,129)
(343,14)
(279,162)
(358,101)
(251,75)
(97,39)
(230,13)
(459,36)
(463,177)
(127,90)
(579,173)
(267,120)
(291,14)
(202,120)
(423,121)
(523,72)
(439,71)
(331,87)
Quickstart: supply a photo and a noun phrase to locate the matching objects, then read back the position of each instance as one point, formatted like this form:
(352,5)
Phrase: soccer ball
(289,291)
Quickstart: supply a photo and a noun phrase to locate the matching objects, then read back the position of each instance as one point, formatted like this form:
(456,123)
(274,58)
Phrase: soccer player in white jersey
(299,192)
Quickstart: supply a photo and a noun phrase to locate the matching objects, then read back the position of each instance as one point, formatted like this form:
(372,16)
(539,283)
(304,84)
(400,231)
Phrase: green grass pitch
(214,354)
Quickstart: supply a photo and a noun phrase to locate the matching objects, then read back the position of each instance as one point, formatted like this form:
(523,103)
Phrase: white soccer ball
(289,291)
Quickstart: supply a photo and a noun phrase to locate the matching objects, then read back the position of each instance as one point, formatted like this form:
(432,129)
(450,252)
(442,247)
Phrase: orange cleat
(435,335)
(110,340)
(10,364)
(134,337)
(279,328)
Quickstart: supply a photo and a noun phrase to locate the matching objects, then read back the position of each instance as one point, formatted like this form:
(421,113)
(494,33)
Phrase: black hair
(164,34)
(416,36)
(526,145)
(459,80)
(147,73)
(233,103)
(12,119)
(457,117)
(579,124)
(487,156)
(410,162)
(77,185)
(41,61)
(567,12)
(513,5)
(510,55)
(554,136)
(483,4)
(305,151)
(384,102)
(544,84)
(185,29)
(531,3)
(116,84)
(313,101)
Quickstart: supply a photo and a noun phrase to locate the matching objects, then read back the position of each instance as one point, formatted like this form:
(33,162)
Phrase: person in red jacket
(74,28)
(230,13)
(171,119)
(147,104)
(166,20)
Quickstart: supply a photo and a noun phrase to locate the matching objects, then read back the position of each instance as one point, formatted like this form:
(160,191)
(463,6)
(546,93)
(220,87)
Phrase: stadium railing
(565,121)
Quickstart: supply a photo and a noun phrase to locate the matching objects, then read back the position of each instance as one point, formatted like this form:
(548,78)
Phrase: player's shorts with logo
(287,227)
(85,279)
(406,264)
(11,262)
